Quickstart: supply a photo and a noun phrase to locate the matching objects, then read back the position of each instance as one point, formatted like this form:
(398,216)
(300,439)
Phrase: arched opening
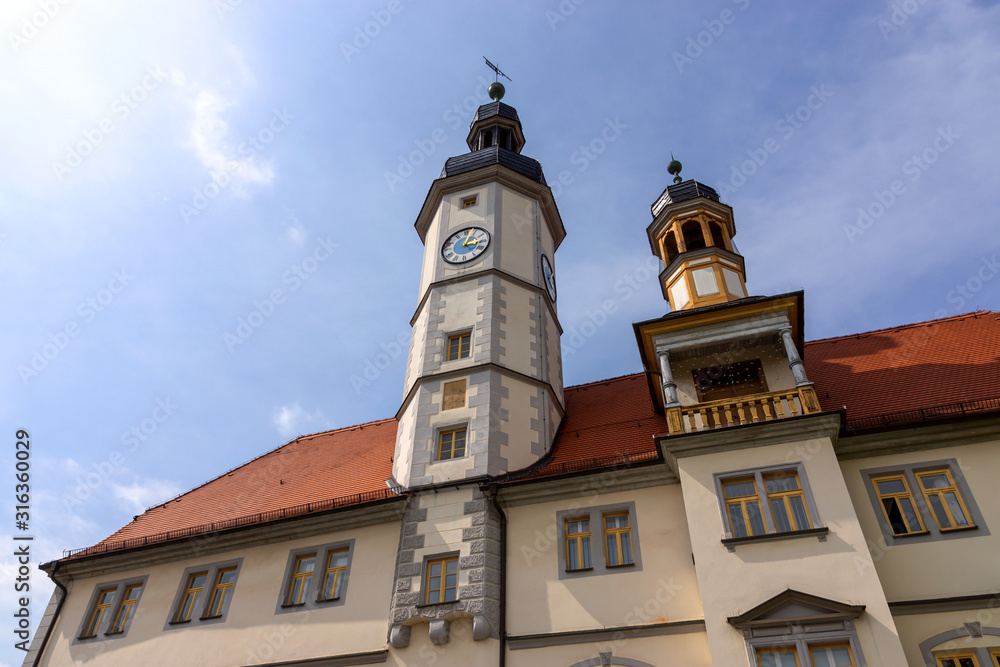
(487,138)
(671,246)
(693,237)
(718,236)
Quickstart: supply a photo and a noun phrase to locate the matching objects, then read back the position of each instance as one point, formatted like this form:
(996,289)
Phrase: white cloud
(210,140)
(143,493)
(293,420)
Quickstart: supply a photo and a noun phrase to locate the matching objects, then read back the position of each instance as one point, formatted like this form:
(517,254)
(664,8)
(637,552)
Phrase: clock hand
(466,242)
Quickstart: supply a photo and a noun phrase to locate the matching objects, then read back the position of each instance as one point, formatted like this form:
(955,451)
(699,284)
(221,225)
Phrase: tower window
(451,444)
(504,139)
(442,580)
(694,238)
(718,238)
(459,346)
(487,138)
(671,245)
(469,202)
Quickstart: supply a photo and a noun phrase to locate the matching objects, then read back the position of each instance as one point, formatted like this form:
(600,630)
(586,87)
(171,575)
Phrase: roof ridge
(617,378)
(975,314)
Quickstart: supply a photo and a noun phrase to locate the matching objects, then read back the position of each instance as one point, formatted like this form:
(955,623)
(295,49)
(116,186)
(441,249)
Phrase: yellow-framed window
(459,346)
(897,504)
(617,539)
(743,507)
(942,496)
(105,598)
(442,580)
(832,655)
(957,660)
(778,656)
(333,578)
(127,609)
(788,503)
(192,596)
(578,544)
(451,444)
(469,202)
(221,592)
(298,587)
(995,657)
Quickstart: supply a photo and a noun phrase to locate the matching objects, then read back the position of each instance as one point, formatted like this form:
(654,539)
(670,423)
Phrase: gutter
(55,616)
(492,493)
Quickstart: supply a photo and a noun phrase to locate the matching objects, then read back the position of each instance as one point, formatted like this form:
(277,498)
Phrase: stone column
(794,360)
(667,379)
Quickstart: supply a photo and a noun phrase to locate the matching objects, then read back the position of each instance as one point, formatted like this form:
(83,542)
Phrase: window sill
(210,618)
(293,606)
(179,622)
(958,529)
(580,569)
(732,542)
(916,534)
(615,567)
(110,634)
(435,604)
(327,600)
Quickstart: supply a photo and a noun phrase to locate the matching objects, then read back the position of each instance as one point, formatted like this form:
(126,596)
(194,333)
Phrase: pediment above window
(794,608)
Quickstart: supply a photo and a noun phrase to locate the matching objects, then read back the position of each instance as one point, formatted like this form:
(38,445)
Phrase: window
(924,501)
(469,202)
(127,609)
(617,539)
(773,501)
(297,592)
(964,660)
(451,444)
(205,594)
(221,592)
(945,502)
(459,346)
(995,657)
(316,577)
(105,598)
(596,541)
(578,544)
(780,656)
(195,587)
(442,580)
(832,655)
(110,610)
(897,505)
(333,578)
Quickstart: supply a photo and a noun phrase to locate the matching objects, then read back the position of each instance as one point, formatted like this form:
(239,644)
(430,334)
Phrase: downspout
(503,573)
(55,616)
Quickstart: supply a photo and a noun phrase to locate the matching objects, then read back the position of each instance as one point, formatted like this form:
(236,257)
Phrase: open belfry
(744,498)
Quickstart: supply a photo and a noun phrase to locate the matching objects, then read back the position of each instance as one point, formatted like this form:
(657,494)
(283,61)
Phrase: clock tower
(483,392)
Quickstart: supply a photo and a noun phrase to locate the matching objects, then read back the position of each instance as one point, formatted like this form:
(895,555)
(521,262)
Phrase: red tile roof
(910,368)
(914,367)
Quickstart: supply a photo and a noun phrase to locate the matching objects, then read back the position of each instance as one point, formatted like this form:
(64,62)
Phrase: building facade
(746,498)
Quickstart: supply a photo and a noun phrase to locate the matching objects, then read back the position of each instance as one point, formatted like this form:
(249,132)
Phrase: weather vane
(496,89)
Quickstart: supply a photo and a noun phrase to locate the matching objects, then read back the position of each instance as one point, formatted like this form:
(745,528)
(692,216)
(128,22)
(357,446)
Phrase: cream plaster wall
(442,530)
(418,346)
(688,649)
(917,628)
(518,255)
(554,343)
(520,435)
(403,455)
(252,632)
(443,471)
(777,374)
(839,568)
(518,354)
(944,568)
(665,589)
(460,651)
(432,249)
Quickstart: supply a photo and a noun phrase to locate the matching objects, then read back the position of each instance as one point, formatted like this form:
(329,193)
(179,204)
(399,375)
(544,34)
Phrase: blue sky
(170,170)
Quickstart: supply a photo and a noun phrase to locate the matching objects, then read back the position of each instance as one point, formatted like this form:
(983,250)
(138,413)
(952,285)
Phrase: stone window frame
(819,529)
(801,637)
(598,557)
(436,442)
(422,593)
(452,334)
(102,633)
(198,615)
(931,533)
(313,601)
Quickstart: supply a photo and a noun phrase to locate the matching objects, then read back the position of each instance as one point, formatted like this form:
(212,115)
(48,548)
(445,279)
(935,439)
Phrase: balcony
(742,410)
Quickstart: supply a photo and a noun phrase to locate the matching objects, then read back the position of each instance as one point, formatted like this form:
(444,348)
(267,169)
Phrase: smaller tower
(692,234)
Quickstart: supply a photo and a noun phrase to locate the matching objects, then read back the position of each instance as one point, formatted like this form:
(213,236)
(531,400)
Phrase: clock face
(549,277)
(465,245)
